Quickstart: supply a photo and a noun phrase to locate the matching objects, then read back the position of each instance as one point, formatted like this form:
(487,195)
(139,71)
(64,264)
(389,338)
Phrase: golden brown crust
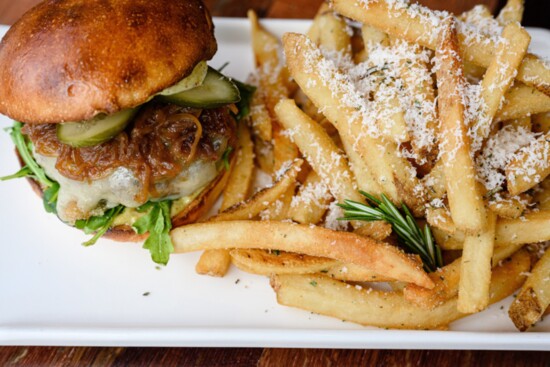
(68,60)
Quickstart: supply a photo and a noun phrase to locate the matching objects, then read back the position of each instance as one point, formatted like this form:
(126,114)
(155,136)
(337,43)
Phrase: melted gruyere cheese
(82,199)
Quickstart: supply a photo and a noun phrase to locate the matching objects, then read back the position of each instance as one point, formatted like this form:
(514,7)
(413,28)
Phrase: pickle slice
(216,90)
(95,131)
(193,80)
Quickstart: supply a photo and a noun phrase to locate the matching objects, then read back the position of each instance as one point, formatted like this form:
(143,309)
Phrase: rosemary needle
(411,236)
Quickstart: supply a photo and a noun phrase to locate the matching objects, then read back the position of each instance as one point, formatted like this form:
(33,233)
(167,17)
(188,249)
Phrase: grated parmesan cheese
(501,149)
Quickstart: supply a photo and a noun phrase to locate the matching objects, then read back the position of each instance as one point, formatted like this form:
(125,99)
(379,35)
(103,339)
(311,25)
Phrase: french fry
(521,101)
(530,166)
(532,227)
(440,218)
(270,68)
(311,202)
(543,199)
(448,241)
(473,72)
(262,199)
(477,15)
(278,210)
(418,24)
(259,117)
(534,297)
(321,152)
(263,151)
(511,12)
(217,262)
(309,240)
(334,34)
(272,80)
(435,182)
(480,16)
(315,28)
(241,176)
(372,36)
(520,122)
(499,76)
(214,263)
(380,231)
(354,273)
(507,207)
(542,195)
(284,151)
(371,307)
(541,122)
(446,280)
(363,176)
(393,172)
(309,108)
(475,268)
(418,82)
(465,201)
(264,262)
(394,126)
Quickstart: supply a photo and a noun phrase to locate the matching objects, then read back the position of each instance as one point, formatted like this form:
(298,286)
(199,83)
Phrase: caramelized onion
(157,146)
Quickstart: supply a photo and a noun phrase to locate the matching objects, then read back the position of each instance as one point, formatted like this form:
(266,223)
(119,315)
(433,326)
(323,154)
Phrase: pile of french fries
(449,115)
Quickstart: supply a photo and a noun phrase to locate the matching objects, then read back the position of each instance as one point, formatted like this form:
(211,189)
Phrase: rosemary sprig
(410,235)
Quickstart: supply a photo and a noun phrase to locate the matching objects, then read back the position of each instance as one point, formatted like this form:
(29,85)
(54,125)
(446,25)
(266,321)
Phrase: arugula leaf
(220,69)
(145,207)
(23,172)
(158,223)
(225,158)
(32,169)
(98,224)
(25,151)
(246,91)
(49,198)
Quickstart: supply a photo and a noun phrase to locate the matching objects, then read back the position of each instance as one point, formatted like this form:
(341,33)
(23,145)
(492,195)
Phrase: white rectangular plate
(55,292)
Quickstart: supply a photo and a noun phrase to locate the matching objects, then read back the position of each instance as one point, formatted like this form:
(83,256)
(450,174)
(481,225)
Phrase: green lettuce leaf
(158,223)
(32,169)
(225,158)
(24,148)
(23,172)
(246,91)
(98,224)
(49,198)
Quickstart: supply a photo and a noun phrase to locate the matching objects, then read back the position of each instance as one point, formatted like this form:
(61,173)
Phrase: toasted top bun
(68,60)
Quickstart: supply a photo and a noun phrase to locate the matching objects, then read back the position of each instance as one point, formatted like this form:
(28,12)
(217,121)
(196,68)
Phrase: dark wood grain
(73,356)
(335,357)
(10,10)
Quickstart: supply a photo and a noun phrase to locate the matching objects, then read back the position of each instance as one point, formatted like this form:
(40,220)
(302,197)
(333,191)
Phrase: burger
(121,126)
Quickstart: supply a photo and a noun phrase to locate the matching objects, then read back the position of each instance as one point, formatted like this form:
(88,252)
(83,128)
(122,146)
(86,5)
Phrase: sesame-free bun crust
(68,60)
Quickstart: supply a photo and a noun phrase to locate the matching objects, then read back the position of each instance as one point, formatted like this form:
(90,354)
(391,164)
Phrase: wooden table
(11,10)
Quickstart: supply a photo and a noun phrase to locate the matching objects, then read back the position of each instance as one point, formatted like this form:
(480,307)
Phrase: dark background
(537,13)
